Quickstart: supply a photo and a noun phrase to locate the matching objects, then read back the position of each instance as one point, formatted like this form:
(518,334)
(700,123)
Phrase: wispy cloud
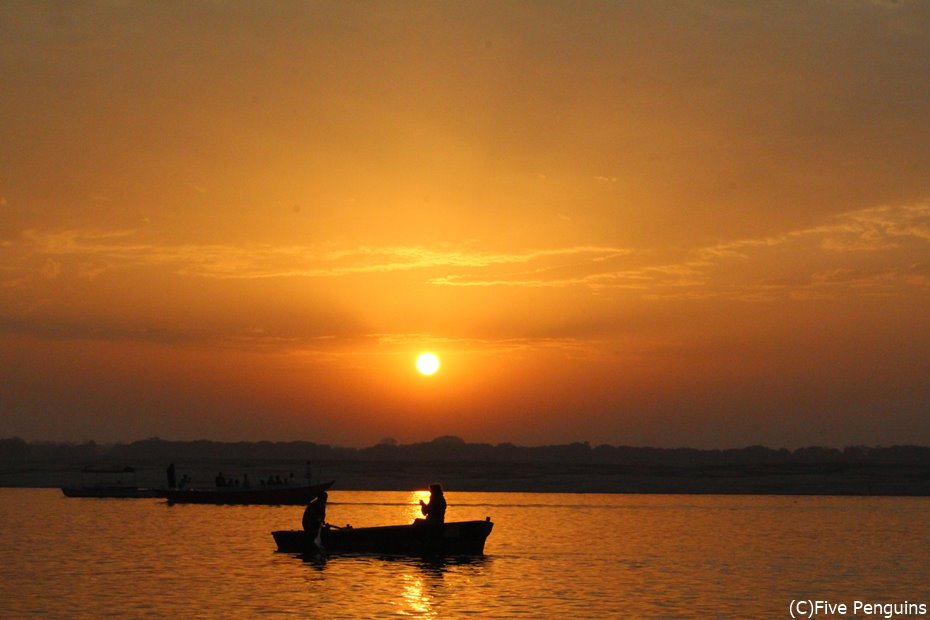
(791,264)
(572,346)
(102,250)
(59,328)
(798,263)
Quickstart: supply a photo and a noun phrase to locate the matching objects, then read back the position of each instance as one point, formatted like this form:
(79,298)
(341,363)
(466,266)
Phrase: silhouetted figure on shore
(220,480)
(435,510)
(172,481)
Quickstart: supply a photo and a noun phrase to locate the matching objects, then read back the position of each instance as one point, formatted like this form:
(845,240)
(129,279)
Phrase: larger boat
(421,538)
(265,495)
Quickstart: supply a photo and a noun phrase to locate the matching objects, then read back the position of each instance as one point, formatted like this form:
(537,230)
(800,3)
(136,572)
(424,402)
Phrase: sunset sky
(654,223)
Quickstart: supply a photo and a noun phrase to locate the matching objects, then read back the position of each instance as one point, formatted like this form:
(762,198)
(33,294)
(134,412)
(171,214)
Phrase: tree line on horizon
(451,448)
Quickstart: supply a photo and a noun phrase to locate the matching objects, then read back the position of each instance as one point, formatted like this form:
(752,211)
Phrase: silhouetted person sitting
(315,514)
(435,510)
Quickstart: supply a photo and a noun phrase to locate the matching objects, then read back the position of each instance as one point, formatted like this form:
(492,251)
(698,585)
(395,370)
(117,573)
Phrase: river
(549,556)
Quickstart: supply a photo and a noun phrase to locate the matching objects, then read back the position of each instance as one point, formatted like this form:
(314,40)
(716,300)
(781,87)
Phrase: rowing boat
(421,538)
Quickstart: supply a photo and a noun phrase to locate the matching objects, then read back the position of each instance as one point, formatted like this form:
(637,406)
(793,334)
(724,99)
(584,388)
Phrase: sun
(427,364)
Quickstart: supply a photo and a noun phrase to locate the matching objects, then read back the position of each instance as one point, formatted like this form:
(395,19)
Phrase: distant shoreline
(851,479)
(463,466)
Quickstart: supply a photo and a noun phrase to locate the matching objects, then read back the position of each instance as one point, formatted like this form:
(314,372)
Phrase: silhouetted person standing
(172,481)
(435,510)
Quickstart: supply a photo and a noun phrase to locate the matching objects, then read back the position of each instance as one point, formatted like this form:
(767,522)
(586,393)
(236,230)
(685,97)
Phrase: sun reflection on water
(417,602)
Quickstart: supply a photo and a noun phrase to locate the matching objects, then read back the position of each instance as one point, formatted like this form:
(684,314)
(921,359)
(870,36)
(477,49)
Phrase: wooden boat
(421,538)
(110,482)
(267,495)
(113,492)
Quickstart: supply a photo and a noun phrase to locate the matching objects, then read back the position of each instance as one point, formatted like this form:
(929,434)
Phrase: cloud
(123,249)
(883,244)
(62,329)
(574,346)
(877,249)
(50,270)
(876,280)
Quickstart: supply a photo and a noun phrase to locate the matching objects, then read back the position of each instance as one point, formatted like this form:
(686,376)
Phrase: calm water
(550,555)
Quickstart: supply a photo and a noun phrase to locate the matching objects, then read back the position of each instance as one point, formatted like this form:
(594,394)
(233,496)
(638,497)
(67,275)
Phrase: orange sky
(676,224)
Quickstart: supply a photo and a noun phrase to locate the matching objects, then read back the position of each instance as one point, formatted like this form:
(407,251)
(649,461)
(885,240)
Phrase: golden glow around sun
(427,363)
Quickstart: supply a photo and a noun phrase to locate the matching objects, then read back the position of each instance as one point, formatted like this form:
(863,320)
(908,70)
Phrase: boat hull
(419,539)
(268,496)
(112,492)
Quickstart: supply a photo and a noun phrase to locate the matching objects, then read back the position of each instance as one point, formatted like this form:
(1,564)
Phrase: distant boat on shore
(110,482)
(263,495)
